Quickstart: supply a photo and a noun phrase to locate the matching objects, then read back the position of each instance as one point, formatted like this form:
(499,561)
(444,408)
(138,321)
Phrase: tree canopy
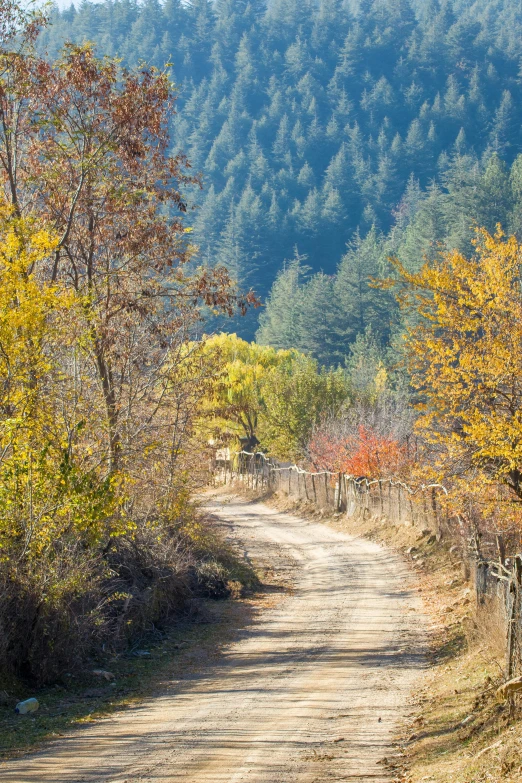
(271,398)
(464,359)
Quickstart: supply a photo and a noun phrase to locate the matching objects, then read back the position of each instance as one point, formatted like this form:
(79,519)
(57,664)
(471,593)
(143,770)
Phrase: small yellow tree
(236,398)
(465,360)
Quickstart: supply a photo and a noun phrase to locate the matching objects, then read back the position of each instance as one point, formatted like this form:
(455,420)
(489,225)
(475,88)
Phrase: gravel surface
(313,690)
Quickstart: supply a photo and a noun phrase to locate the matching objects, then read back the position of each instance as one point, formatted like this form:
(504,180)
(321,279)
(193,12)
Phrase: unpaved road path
(312,691)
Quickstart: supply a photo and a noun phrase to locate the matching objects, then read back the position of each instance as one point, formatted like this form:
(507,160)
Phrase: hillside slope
(308,119)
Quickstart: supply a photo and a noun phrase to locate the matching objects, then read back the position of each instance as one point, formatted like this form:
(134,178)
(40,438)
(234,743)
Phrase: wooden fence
(498,585)
(337,492)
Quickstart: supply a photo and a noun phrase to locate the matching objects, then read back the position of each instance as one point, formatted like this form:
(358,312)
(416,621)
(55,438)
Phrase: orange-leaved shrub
(363,453)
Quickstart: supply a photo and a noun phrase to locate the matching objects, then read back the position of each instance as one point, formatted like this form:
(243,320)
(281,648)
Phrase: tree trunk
(109,397)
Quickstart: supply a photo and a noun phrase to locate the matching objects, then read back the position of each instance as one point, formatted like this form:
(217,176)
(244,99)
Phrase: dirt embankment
(313,690)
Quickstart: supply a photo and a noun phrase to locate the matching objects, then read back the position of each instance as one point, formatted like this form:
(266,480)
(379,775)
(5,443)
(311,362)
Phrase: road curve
(312,691)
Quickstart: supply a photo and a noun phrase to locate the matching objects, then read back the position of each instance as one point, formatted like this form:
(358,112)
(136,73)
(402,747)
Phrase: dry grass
(487,631)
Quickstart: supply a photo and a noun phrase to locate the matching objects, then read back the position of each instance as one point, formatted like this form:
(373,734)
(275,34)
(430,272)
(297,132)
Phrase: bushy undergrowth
(75,606)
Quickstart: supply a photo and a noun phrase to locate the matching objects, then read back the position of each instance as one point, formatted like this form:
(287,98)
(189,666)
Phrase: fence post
(326,488)
(314,489)
(340,494)
(481,578)
(514,617)
(438,530)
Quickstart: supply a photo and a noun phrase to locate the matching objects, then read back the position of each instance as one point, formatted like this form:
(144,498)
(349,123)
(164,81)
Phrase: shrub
(75,605)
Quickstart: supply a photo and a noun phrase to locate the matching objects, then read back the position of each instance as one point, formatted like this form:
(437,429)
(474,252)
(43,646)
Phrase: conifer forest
(337,130)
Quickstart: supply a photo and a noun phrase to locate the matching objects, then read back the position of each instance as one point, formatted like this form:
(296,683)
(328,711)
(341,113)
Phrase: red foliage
(364,454)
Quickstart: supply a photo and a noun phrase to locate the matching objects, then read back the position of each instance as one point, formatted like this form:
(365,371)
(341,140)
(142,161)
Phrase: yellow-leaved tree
(46,486)
(464,353)
(235,399)
(267,397)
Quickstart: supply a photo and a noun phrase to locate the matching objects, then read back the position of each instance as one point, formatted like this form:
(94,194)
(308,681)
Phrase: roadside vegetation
(100,544)
(123,681)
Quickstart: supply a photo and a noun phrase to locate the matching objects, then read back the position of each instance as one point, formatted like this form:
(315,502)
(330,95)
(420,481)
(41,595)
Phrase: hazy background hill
(386,125)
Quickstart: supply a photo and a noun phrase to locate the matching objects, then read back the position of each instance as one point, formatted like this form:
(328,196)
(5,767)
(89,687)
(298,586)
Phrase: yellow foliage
(274,396)
(42,492)
(236,398)
(465,359)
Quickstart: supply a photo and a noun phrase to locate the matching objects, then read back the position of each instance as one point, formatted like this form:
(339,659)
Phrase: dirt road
(312,691)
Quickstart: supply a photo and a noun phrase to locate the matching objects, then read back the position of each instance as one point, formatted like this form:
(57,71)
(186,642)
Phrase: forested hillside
(337,316)
(311,120)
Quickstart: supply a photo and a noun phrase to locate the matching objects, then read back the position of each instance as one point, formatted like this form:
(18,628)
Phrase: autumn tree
(236,400)
(274,397)
(50,476)
(364,453)
(371,436)
(465,361)
(97,169)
